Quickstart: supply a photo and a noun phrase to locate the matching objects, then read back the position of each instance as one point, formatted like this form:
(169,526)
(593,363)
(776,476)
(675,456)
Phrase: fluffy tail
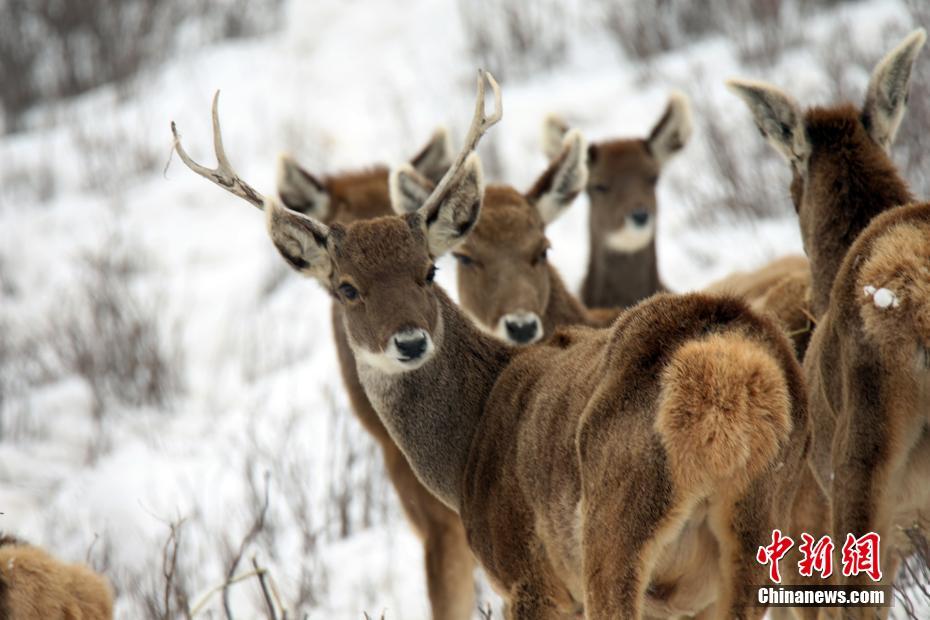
(724,411)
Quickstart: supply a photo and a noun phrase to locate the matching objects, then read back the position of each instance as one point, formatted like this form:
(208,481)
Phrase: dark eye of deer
(464,260)
(601,188)
(541,257)
(653,179)
(431,274)
(348,291)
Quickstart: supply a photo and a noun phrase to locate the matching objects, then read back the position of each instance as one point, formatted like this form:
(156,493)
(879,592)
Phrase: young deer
(505,282)
(624,471)
(622,178)
(868,365)
(33,584)
(344,198)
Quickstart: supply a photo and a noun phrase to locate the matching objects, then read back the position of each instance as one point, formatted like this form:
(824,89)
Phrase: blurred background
(169,393)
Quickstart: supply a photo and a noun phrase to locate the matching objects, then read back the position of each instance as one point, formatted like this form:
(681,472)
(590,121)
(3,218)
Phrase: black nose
(521,331)
(411,347)
(640,217)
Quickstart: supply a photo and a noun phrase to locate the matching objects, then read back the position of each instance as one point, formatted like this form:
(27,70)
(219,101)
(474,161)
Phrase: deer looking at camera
(625,471)
(505,281)
(344,198)
(621,186)
(868,365)
(33,584)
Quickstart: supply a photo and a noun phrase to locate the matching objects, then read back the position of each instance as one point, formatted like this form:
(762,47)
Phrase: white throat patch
(632,237)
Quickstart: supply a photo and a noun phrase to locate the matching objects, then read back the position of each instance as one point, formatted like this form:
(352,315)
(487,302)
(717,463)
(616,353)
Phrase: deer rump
(637,433)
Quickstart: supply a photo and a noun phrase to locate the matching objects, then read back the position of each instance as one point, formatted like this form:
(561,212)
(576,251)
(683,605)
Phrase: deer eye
(348,291)
(541,257)
(463,259)
(431,274)
(653,179)
(601,188)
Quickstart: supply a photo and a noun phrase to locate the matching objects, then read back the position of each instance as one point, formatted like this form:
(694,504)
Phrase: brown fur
(867,367)
(781,288)
(449,564)
(35,585)
(569,495)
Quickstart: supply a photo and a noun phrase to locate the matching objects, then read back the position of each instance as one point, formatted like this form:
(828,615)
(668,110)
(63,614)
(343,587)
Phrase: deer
(621,187)
(505,281)
(33,584)
(868,363)
(618,472)
(347,197)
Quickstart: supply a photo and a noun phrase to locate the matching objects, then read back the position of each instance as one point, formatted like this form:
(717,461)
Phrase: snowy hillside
(240,392)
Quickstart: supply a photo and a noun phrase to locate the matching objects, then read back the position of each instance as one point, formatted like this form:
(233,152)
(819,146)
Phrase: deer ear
(554,130)
(301,191)
(300,239)
(563,180)
(455,214)
(408,189)
(886,98)
(673,130)
(435,157)
(777,116)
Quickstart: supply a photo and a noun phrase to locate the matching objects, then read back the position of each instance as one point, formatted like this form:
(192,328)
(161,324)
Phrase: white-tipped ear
(300,239)
(554,130)
(563,180)
(300,191)
(886,98)
(777,116)
(673,130)
(450,221)
(435,157)
(408,189)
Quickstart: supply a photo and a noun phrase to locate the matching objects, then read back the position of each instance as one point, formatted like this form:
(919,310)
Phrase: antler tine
(480,123)
(224,174)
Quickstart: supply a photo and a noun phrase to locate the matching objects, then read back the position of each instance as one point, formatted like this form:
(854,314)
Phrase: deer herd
(625,453)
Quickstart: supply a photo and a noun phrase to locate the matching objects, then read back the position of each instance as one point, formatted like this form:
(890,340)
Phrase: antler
(224,174)
(480,123)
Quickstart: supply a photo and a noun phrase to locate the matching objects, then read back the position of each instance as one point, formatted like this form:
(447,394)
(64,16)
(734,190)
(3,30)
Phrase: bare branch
(480,123)
(224,174)
(266,594)
(257,526)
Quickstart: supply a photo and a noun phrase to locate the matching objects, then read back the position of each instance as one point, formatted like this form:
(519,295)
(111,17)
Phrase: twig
(169,563)
(263,581)
(196,609)
(250,536)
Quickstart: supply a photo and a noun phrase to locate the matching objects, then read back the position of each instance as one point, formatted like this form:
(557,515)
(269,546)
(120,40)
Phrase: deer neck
(432,413)
(617,279)
(563,307)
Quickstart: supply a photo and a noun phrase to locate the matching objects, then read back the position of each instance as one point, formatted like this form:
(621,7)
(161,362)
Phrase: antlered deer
(868,366)
(34,585)
(624,471)
(622,178)
(344,198)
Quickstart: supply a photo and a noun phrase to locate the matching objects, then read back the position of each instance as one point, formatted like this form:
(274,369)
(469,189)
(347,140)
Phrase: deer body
(868,364)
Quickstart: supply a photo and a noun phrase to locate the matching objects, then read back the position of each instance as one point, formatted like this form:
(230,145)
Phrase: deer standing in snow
(344,198)
(33,585)
(868,365)
(625,471)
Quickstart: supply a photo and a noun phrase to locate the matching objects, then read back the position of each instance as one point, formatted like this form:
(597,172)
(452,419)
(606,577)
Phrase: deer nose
(411,344)
(640,218)
(522,328)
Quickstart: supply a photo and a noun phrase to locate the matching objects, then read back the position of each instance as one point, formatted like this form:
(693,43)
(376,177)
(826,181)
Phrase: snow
(344,86)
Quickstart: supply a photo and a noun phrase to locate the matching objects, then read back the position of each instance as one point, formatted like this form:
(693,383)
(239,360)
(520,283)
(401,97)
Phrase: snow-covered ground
(345,85)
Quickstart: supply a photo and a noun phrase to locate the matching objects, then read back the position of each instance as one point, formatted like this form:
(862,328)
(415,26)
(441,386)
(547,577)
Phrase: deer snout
(411,344)
(521,327)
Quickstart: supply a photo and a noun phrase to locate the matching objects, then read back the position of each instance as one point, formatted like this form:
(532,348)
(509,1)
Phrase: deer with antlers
(33,584)
(868,365)
(344,198)
(626,471)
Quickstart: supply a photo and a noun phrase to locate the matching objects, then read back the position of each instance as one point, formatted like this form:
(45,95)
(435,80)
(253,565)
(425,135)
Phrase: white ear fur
(553,134)
(886,98)
(408,189)
(300,240)
(300,191)
(565,178)
(673,130)
(777,116)
(435,157)
(450,222)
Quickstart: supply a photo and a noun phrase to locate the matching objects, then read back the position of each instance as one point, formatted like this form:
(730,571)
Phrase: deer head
(622,176)
(381,270)
(842,174)
(504,279)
